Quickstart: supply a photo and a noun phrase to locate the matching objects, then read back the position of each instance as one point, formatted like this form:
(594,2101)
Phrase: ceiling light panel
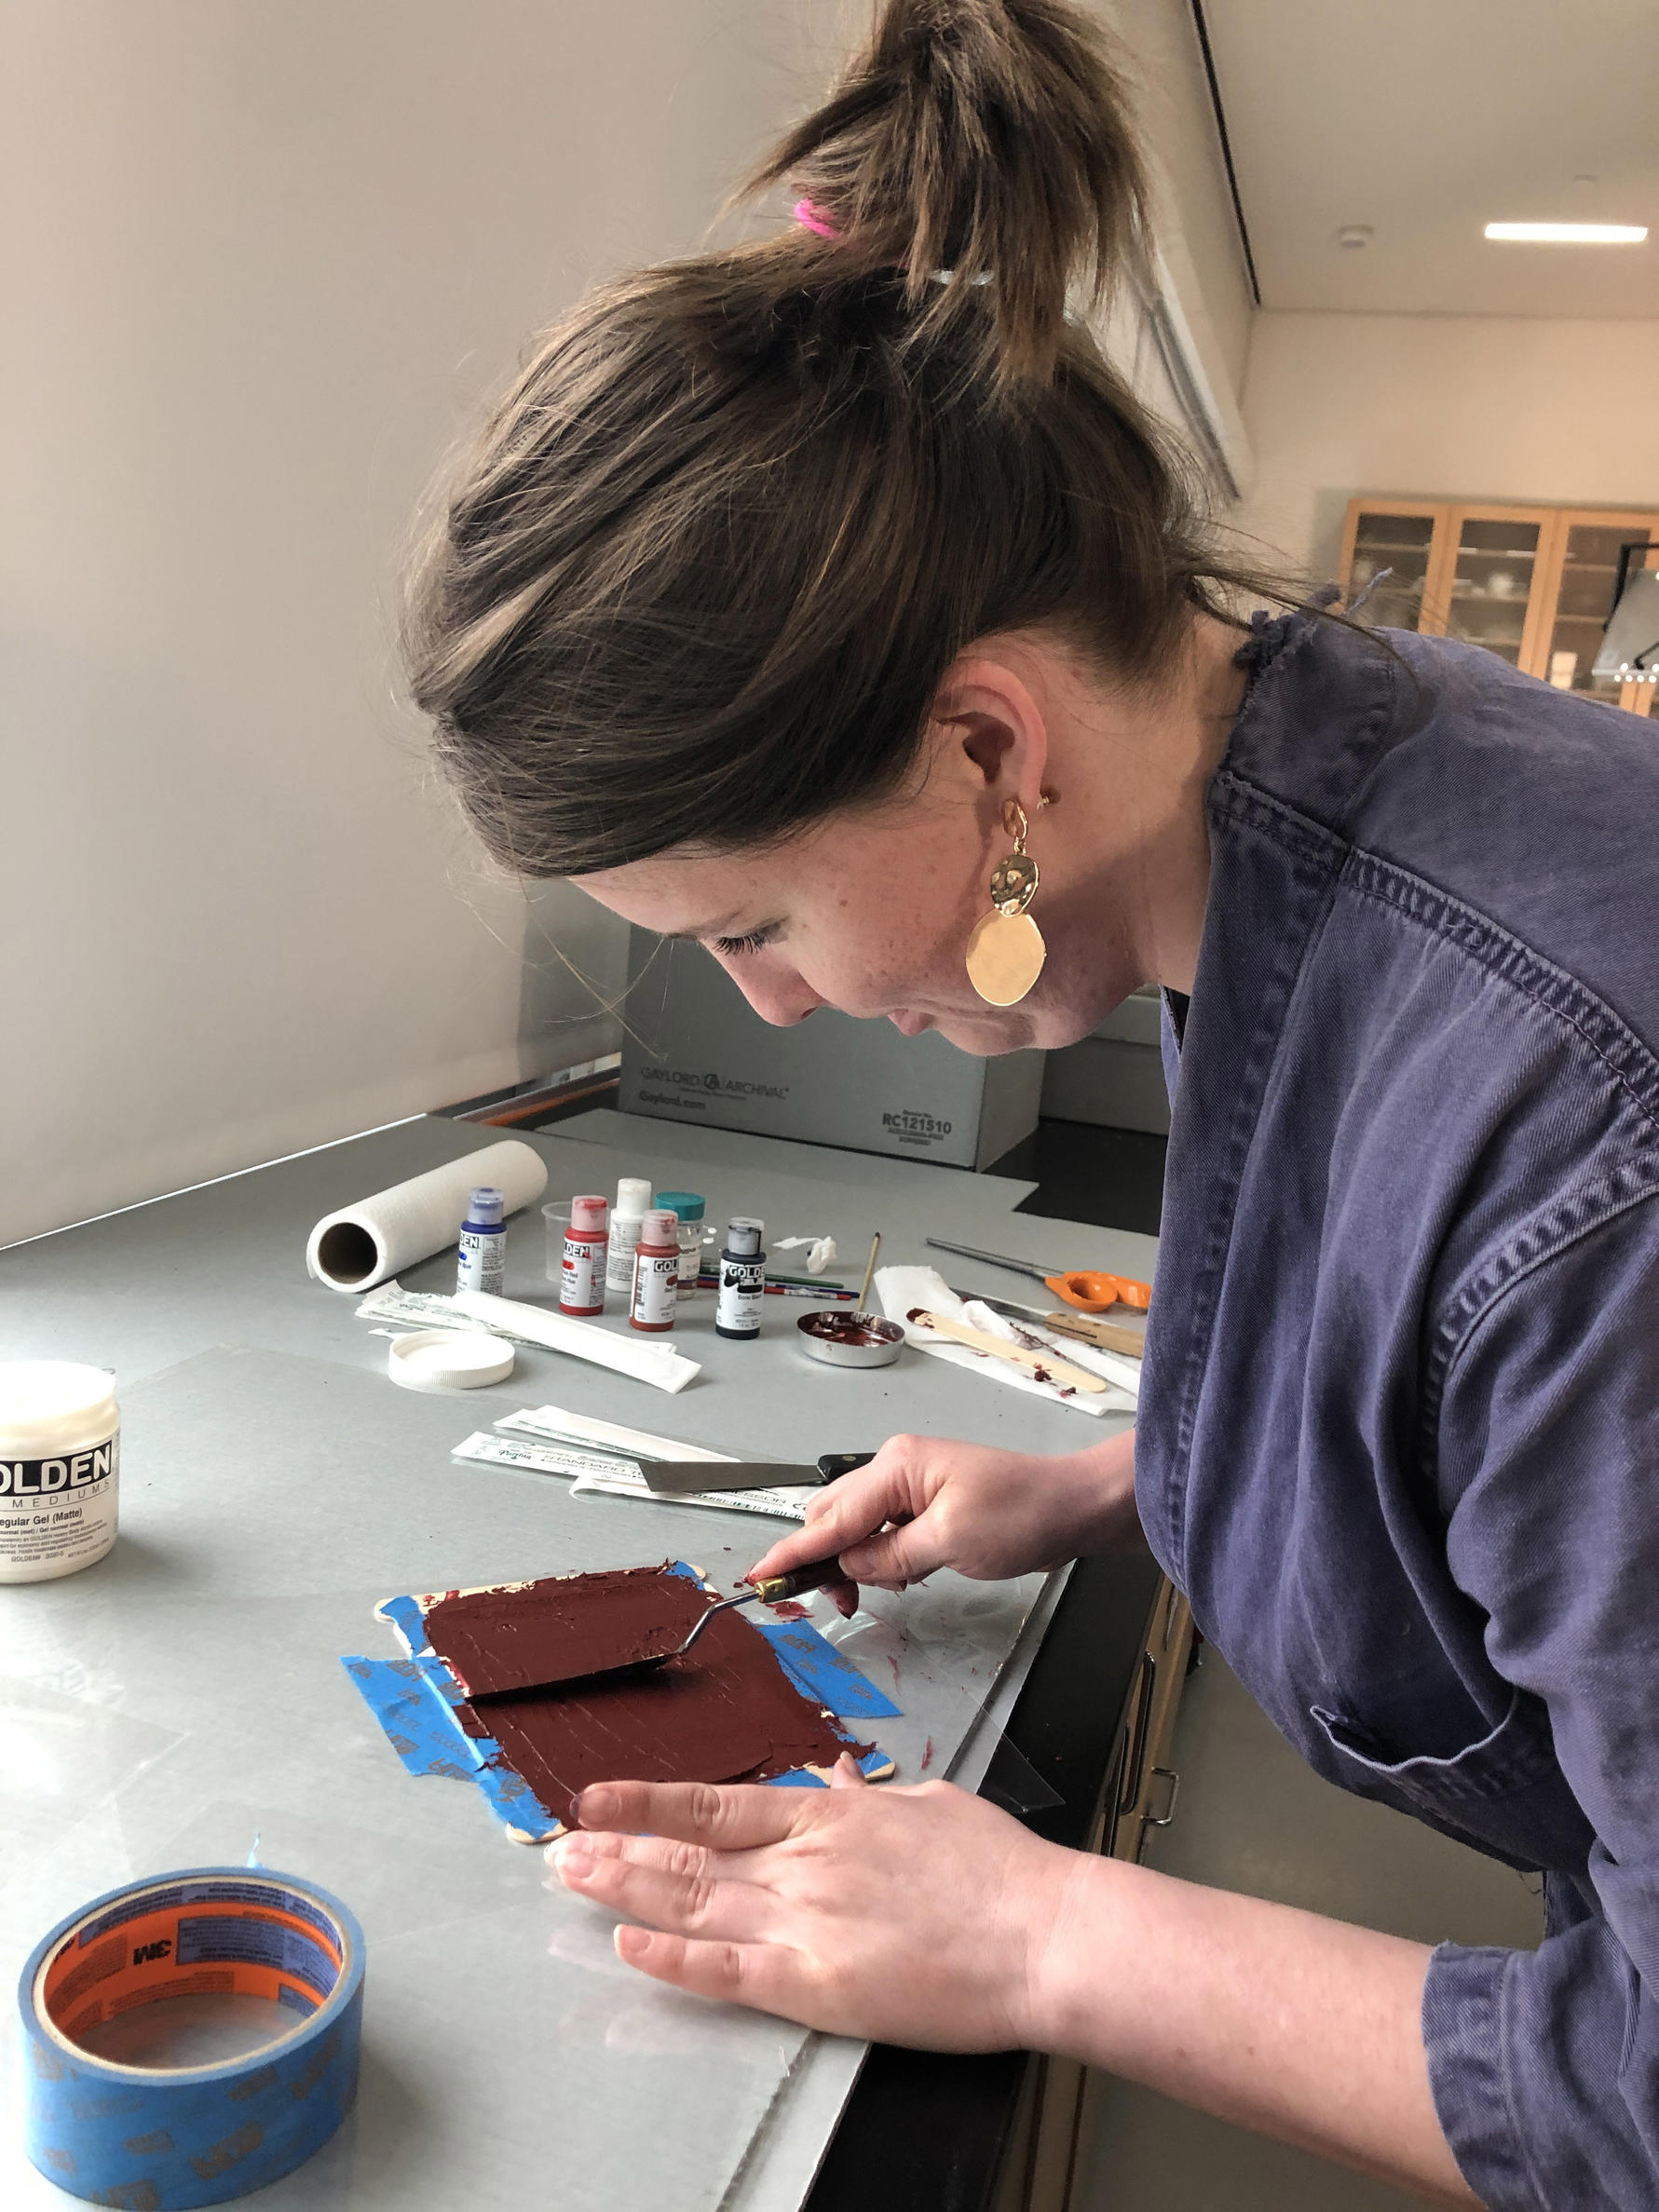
(1567,234)
(1330,126)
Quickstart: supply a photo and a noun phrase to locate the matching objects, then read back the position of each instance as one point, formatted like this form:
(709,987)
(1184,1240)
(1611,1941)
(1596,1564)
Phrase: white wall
(1446,406)
(1196,219)
(1185,348)
(262,259)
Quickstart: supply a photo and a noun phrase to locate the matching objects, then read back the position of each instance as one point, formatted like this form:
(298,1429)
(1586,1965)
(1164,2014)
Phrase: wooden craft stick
(1044,1364)
(1108,1335)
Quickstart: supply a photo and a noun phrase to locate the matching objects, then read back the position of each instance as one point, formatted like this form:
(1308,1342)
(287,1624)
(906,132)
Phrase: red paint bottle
(582,1267)
(656,1272)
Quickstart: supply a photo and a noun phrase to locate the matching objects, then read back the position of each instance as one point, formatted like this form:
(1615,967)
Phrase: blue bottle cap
(486,1208)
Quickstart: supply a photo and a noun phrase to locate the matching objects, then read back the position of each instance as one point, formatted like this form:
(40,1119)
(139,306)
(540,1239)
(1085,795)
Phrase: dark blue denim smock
(1399,1426)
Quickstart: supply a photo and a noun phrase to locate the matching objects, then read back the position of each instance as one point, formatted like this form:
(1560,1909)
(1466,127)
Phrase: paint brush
(773,1590)
(815,1282)
(864,1289)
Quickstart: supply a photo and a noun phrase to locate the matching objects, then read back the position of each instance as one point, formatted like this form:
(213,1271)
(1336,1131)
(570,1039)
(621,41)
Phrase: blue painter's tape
(164,2139)
(823,1672)
(874,1766)
(413,1701)
(406,1617)
(417,1725)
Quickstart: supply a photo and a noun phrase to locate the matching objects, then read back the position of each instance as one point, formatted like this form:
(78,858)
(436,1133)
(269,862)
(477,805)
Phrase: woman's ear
(991,728)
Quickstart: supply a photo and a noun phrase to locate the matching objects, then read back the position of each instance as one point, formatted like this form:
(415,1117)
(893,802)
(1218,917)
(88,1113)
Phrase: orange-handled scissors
(1087,1289)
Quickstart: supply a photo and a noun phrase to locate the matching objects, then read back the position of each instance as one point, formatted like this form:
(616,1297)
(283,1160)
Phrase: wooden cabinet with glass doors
(1534,585)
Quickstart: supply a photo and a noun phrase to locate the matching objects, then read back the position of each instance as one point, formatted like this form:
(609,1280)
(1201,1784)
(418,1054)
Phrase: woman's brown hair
(719,545)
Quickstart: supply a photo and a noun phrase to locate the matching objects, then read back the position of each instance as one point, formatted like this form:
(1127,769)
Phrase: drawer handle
(1162,1819)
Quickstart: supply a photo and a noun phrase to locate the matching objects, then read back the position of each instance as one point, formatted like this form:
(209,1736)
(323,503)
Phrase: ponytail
(990,140)
(701,578)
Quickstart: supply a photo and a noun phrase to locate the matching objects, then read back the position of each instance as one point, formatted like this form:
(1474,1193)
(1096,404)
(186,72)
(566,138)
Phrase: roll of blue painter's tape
(151,2139)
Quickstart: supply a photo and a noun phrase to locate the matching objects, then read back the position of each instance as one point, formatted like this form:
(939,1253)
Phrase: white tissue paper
(901,1290)
(358,1246)
(821,1253)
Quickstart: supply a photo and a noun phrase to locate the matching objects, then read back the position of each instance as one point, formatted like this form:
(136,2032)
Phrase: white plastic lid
(38,1398)
(633,1195)
(448,1359)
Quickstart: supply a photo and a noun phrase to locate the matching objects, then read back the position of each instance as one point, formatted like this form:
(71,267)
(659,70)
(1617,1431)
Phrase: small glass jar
(688,1208)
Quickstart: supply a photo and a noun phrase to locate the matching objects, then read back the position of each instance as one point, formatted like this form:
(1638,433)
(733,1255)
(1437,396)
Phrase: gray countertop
(181,1703)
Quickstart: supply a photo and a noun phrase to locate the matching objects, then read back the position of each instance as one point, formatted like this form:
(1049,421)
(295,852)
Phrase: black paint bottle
(742,1281)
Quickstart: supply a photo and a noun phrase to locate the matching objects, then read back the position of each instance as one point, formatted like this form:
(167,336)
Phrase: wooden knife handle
(799,1580)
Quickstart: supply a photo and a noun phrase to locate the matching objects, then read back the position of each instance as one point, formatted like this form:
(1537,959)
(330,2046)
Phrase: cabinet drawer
(1040,2157)
(1144,1786)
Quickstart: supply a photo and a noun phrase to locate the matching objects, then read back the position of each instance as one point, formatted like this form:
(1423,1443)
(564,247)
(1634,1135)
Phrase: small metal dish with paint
(843,1339)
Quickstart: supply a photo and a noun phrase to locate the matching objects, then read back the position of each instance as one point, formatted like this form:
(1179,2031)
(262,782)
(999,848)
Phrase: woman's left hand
(927,1917)
(919,1916)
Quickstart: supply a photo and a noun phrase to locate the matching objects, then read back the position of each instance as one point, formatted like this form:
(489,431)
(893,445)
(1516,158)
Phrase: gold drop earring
(1006,951)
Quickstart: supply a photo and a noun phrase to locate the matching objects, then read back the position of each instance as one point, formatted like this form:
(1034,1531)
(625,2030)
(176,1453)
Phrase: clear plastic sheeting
(271,1498)
(186,1696)
(938,1649)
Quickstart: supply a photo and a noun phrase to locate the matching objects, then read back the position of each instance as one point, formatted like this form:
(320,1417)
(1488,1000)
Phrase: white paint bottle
(633,1201)
(60,1465)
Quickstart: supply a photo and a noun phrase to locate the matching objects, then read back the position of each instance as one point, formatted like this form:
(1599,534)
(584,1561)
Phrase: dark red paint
(726,1713)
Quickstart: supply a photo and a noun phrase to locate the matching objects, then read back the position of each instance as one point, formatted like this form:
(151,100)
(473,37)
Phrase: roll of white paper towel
(361,1245)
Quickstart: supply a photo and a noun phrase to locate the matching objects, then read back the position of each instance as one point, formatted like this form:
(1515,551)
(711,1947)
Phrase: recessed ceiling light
(1355,237)
(1569,234)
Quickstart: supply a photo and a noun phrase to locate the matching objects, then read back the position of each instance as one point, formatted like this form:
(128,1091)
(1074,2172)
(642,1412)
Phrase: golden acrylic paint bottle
(656,1272)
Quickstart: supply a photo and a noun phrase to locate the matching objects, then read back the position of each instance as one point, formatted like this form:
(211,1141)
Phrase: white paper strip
(617,1478)
(415,1309)
(660,1364)
(777,1505)
(542,1458)
(899,1290)
(583,1427)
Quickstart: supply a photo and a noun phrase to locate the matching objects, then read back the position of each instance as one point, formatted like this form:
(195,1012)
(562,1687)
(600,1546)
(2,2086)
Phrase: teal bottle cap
(687,1204)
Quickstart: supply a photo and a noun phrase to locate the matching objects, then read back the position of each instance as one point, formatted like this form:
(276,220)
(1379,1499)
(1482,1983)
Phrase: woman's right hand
(925,1502)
